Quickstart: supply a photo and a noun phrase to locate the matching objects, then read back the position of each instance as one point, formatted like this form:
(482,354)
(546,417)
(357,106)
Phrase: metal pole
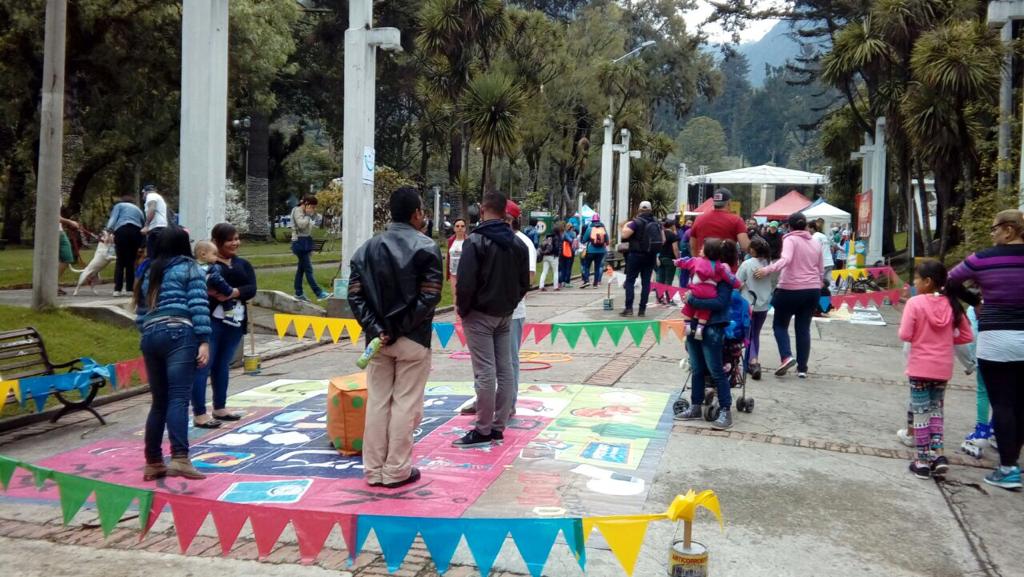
(622,206)
(607,162)
(51,159)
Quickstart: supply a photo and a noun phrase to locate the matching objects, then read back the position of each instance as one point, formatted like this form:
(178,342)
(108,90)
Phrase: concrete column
(681,189)
(622,196)
(204,110)
(51,159)
(607,167)
(878,178)
(360,72)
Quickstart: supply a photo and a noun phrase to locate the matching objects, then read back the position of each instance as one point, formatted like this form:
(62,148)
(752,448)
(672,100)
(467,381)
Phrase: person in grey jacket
(302,246)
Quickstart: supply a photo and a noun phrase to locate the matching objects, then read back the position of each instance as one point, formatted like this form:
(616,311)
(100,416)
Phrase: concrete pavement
(812,482)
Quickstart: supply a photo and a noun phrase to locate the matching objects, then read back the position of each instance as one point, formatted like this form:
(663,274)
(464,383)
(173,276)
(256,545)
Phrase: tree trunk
(257,181)
(424,157)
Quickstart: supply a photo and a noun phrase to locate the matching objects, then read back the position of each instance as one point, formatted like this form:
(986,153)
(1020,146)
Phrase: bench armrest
(70,365)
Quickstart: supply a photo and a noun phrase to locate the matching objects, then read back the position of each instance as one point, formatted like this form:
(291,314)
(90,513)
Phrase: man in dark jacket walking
(494,276)
(645,237)
(394,287)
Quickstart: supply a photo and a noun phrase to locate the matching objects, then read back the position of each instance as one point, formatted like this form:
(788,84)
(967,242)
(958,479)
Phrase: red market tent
(785,206)
(707,206)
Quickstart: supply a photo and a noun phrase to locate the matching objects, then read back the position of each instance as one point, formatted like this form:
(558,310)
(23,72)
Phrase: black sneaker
(920,470)
(641,313)
(414,476)
(497,436)
(940,466)
(626,313)
(472,439)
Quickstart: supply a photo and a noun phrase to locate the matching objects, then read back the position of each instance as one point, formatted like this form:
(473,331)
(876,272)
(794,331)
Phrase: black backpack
(653,236)
(547,248)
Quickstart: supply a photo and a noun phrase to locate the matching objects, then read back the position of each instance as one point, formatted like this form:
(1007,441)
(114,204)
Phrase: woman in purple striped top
(999,273)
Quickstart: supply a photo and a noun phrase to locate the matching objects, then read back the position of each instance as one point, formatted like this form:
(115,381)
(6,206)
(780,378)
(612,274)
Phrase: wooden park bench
(318,245)
(23,355)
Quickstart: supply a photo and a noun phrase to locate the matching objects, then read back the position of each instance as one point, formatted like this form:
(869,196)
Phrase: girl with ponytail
(933,323)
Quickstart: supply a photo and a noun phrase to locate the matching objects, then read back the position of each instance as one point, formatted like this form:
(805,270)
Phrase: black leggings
(127,240)
(1005,384)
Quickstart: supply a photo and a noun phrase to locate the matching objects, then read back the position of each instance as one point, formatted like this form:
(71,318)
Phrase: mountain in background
(773,49)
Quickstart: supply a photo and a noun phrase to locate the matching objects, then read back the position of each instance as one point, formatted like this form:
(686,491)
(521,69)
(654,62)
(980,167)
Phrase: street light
(635,50)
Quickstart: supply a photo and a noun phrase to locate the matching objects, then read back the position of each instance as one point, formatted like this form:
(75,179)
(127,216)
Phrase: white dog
(104,255)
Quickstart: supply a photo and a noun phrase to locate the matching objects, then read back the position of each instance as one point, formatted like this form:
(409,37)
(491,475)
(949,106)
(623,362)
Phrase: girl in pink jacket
(933,323)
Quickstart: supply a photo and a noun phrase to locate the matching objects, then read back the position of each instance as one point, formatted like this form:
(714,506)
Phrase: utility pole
(361,42)
(51,159)
(622,196)
(204,115)
(681,190)
(607,167)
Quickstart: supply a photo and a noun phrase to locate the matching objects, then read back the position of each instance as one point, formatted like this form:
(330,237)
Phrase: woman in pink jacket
(801,269)
(933,322)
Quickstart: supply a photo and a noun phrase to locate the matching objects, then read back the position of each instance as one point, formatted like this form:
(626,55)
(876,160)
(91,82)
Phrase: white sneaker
(906,438)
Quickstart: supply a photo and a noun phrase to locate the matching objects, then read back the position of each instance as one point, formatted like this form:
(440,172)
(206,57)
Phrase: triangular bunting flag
(442,538)
(394,534)
(229,519)
(7,467)
(302,323)
(189,514)
(319,324)
(267,525)
(594,331)
(577,541)
(335,327)
(281,323)
(349,530)
(459,332)
(73,493)
(571,332)
(444,333)
(312,529)
(155,509)
(615,331)
(541,332)
(7,387)
(354,330)
(638,330)
(112,501)
(145,506)
(534,538)
(485,538)
(39,474)
(37,389)
(674,326)
(624,538)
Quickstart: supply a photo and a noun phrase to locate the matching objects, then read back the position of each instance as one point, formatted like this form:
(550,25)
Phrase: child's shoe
(940,466)
(1005,477)
(687,330)
(906,437)
(920,470)
(975,442)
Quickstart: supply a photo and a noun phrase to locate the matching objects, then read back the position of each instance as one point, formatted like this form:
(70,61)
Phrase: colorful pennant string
(534,538)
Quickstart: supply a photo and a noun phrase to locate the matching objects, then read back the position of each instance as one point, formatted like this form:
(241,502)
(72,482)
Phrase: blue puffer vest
(182,294)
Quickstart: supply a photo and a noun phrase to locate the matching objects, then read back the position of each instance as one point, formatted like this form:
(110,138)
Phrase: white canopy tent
(832,215)
(765,177)
(764,174)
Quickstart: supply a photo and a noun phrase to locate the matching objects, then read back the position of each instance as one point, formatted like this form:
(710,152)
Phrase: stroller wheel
(680,405)
(750,405)
(711,412)
(741,404)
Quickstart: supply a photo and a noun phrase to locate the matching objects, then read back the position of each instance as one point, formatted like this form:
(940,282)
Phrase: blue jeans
(305,267)
(597,259)
(565,269)
(169,350)
(641,265)
(800,304)
(705,358)
(224,343)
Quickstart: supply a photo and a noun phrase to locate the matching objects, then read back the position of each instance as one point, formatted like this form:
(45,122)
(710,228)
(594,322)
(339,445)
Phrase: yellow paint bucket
(251,364)
(691,562)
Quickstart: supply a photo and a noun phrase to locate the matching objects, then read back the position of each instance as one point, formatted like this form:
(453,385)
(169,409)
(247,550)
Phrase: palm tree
(491,110)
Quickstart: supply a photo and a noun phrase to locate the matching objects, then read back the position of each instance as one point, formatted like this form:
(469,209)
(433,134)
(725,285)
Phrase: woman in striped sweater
(172,314)
(999,273)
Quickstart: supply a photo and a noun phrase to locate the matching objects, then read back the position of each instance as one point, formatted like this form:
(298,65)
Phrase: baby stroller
(733,352)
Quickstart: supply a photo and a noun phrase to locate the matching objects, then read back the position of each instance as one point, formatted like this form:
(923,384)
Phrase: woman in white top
(455,253)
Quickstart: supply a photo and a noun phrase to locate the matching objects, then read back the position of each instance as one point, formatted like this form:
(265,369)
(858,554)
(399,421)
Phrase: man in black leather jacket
(494,276)
(394,287)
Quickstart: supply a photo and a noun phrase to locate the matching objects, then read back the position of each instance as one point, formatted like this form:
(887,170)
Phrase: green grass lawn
(69,336)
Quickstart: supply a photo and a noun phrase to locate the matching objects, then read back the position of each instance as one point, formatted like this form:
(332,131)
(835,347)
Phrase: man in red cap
(494,275)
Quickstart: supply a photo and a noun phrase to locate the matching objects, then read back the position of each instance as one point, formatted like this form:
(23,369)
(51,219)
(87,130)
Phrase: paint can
(251,364)
(687,562)
(609,304)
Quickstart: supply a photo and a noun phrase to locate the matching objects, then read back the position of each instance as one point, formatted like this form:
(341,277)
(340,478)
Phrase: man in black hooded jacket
(494,275)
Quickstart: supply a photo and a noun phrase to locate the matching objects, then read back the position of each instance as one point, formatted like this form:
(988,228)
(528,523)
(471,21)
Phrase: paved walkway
(812,482)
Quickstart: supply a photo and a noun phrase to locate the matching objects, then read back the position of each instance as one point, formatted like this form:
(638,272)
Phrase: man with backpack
(595,239)
(549,255)
(567,255)
(645,236)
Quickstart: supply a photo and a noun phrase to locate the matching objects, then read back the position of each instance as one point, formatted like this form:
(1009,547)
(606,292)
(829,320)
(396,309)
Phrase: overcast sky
(753,32)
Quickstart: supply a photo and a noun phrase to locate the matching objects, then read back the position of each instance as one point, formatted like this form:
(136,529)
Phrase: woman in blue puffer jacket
(173,316)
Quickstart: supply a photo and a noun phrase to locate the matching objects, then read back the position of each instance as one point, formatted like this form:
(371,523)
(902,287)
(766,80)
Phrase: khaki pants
(396,378)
